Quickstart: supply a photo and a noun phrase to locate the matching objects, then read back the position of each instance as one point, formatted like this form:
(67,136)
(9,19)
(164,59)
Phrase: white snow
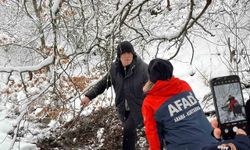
(5,139)
(55,7)
(44,63)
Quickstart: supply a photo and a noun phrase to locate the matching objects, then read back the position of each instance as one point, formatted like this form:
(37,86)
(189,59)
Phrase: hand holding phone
(229,104)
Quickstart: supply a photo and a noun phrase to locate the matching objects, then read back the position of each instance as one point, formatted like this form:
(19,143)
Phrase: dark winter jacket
(127,84)
(171,112)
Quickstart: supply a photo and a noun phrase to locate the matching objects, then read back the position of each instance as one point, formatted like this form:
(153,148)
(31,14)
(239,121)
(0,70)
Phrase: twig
(68,126)
(192,47)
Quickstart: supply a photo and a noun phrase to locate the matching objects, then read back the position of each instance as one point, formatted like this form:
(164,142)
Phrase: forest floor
(100,130)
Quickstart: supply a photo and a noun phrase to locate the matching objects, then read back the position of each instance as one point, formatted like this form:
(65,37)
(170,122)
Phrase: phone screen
(229,102)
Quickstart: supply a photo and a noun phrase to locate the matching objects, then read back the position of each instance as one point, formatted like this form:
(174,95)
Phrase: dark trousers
(129,133)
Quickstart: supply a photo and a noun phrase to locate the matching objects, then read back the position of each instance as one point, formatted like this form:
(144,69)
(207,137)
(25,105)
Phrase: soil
(82,134)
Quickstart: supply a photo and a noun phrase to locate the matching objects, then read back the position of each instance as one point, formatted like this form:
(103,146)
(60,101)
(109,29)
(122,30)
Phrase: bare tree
(231,23)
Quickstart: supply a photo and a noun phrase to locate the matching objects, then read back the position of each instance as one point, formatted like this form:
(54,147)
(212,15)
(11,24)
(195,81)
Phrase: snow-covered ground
(6,141)
(35,131)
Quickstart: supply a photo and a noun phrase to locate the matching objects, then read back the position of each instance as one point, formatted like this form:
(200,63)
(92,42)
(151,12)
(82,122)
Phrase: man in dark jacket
(128,74)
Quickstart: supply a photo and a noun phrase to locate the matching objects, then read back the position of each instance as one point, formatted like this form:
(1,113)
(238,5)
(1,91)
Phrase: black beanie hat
(160,69)
(124,47)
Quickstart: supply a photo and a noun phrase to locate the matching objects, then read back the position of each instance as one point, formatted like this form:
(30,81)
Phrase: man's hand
(85,101)
(217,130)
(147,86)
(217,135)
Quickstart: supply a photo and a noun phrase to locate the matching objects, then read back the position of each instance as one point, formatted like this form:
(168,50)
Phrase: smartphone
(229,104)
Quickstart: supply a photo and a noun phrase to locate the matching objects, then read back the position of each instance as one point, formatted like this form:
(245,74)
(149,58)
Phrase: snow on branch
(189,22)
(5,39)
(55,7)
(180,32)
(44,63)
(119,11)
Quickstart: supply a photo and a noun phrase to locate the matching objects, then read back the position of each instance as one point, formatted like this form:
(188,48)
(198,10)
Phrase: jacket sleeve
(150,127)
(99,87)
(242,142)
